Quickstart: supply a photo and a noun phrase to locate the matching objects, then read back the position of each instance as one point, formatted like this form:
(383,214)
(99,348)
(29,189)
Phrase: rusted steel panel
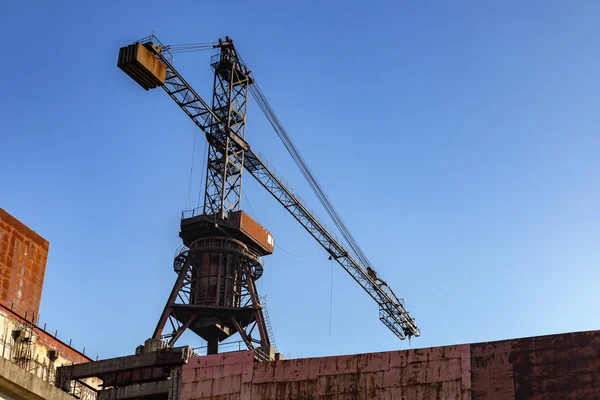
(263,372)
(226,385)
(398,359)
(142,66)
(558,366)
(292,370)
(465,367)
(337,365)
(533,368)
(255,231)
(371,362)
(23,255)
(491,371)
(433,353)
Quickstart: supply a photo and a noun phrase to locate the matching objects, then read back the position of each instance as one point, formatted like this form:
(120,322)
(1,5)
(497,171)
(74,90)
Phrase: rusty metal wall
(565,366)
(23,256)
(252,229)
(434,373)
(256,231)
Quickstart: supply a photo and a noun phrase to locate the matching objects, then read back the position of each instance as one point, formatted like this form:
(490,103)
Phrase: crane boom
(392,311)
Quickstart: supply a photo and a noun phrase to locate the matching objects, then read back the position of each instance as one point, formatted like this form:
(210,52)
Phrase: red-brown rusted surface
(435,373)
(565,366)
(141,65)
(23,255)
(251,230)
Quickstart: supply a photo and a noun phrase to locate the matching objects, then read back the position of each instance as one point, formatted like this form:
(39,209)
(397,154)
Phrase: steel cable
(305,170)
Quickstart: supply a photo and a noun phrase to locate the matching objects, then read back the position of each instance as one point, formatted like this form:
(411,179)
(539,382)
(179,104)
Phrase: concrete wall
(23,255)
(32,358)
(39,346)
(563,366)
(16,384)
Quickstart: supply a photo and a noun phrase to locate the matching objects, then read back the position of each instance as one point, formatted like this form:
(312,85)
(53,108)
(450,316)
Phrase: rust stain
(555,367)
(23,256)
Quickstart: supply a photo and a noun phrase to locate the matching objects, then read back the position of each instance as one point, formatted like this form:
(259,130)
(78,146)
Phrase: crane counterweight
(137,61)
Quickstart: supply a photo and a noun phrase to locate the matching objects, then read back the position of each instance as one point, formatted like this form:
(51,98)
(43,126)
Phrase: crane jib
(391,311)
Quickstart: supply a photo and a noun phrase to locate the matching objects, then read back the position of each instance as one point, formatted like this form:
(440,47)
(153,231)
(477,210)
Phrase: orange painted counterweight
(142,66)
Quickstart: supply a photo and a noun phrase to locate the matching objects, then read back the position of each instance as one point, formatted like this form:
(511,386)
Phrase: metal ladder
(263,302)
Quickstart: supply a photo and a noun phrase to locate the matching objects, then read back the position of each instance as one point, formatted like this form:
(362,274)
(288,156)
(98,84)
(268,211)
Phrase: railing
(82,391)
(192,213)
(22,353)
(260,355)
(227,347)
(263,303)
(153,39)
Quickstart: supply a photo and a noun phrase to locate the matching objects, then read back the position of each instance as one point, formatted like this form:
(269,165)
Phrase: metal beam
(154,390)
(172,297)
(168,357)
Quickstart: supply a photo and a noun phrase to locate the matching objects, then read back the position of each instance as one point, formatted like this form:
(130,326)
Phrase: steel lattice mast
(225,164)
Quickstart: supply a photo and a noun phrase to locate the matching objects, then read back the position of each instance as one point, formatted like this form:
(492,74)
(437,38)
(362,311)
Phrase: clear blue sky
(458,139)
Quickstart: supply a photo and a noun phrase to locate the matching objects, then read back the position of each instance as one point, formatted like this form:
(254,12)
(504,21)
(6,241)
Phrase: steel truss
(185,293)
(225,164)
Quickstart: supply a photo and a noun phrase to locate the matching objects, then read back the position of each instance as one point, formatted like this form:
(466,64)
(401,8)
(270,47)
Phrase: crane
(215,293)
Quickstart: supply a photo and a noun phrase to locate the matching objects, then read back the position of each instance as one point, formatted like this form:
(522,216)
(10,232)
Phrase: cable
(277,244)
(186,48)
(250,205)
(331,298)
(306,172)
(295,255)
(201,188)
(187,201)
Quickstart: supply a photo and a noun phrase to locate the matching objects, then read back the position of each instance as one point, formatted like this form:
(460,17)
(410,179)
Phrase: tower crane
(215,293)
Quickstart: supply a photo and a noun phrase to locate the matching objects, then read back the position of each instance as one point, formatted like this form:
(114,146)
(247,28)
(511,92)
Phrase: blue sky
(459,141)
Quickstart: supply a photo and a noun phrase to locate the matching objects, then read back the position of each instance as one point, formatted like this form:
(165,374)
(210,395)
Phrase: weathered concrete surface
(20,384)
(565,366)
(39,354)
(152,390)
(23,255)
(173,356)
(42,342)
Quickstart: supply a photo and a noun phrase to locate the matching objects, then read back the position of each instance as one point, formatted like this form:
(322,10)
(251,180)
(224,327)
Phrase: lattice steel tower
(229,102)
(215,293)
